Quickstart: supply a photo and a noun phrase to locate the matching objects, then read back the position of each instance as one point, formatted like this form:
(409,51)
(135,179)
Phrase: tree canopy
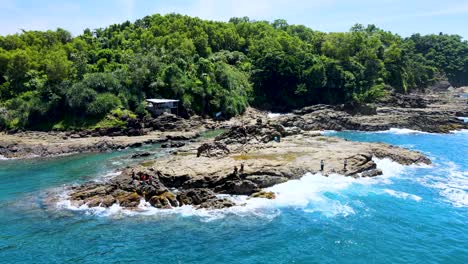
(48,77)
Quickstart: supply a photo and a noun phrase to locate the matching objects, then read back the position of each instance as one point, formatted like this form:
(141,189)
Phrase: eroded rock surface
(197,176)
(430,112)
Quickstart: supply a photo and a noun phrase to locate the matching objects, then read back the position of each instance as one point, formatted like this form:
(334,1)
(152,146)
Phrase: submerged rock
(140,155)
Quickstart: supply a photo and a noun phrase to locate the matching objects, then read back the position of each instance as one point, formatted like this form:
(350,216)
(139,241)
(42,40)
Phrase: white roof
(161,101)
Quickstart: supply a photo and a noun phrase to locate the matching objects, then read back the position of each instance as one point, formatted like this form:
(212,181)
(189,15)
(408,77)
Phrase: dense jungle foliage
(51,80)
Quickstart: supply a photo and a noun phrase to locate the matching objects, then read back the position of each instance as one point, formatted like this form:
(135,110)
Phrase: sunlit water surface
(416,214)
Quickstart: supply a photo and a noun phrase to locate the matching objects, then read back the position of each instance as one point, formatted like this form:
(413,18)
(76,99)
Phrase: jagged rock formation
(242,161)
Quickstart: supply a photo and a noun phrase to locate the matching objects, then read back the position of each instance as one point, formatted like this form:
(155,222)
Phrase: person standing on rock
(150,179)
(345,165)
(322,165)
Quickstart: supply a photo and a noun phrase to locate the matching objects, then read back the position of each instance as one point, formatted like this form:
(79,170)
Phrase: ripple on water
(451,182)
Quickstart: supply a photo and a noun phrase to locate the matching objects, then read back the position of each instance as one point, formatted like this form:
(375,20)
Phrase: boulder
(103,201)
(217,204)
(264,181)
(91,190)
(372,173)
(360,163)
(195,196)
(140,155)
(165,200)
(213,149)
(240,187)
(129,199)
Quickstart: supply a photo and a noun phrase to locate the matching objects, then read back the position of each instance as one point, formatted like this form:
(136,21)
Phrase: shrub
(103,104)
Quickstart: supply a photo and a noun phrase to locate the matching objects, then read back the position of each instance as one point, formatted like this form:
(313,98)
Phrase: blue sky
(400,16)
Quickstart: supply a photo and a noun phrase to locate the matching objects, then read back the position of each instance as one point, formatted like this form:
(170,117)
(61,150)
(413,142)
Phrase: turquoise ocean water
(416,214)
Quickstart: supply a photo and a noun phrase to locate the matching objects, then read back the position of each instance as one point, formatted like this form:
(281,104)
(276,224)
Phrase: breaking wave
(451,182)
(402,131)
(403,195)
(275,115)
(312,193)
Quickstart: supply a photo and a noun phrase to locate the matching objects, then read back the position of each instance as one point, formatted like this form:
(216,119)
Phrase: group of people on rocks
(345,165)
(142,177)
(237,171)
(322,167)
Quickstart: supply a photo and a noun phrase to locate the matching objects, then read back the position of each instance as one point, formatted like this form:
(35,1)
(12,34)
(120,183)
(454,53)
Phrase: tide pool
(415,214)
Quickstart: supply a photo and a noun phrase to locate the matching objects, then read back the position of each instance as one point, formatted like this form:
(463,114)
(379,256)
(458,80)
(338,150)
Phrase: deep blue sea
(416,214)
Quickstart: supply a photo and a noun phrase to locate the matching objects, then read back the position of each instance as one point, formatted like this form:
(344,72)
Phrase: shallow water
(410,214)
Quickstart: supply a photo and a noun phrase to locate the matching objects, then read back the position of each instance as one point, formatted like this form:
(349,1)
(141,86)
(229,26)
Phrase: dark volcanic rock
(372,173)
(359,109)
(242,187)
(315,108)
(217,204)
(195,196)
(403,100)
(259,132)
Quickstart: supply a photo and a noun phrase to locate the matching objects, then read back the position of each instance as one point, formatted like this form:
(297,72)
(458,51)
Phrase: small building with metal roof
(159,106)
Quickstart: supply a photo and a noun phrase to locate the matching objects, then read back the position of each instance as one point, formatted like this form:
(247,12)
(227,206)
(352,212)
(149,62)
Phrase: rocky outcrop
(140,155)
(403,100)
(192,179)
(423,112)
(212,149)
(41,144)
(260,133)
(259,154)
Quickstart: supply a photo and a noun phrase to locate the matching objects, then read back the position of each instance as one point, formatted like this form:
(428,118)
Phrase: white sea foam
(3,157)
(453,185)
(109,176)
(402,131)
(311,194)
(462,131)
(403,195)
(276,115)
(307,194)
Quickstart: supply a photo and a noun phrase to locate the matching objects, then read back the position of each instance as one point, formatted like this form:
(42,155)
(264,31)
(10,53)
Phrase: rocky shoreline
(258,152)
(41,144)
(241,161)
(435,112)
(430,112)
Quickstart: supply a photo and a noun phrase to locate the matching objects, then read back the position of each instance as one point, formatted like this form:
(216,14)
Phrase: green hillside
(51,80)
